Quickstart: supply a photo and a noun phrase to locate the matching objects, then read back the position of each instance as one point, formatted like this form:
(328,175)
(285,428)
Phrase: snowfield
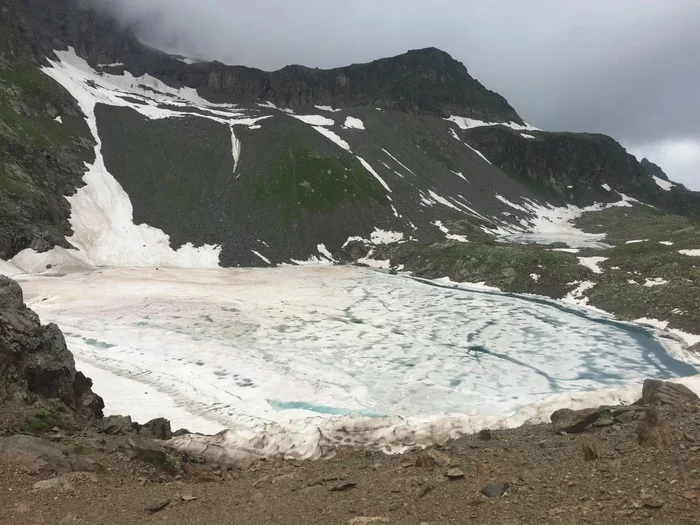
(285,352)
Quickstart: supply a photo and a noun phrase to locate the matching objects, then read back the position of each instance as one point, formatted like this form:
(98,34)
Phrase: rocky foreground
(62,462)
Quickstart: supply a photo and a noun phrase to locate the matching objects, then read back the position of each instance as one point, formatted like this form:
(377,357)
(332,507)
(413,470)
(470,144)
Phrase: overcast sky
(627,68)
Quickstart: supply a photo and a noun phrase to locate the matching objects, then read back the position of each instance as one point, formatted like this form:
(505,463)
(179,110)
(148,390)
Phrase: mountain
(115,153)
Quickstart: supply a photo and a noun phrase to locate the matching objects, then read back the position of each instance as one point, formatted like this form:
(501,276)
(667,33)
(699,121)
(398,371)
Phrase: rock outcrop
(36,365)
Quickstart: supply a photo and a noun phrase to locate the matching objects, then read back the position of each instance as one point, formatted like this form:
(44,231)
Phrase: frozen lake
(240,348)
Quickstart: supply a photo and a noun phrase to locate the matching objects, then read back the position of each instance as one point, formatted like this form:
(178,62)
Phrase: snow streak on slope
(101,211)
(255,349)
(468,123)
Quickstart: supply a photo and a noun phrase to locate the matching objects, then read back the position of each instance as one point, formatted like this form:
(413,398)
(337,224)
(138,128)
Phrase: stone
(116,425)
(656,392)
(60,484)
(485,435)
(188,497)
(652,432)
(344,486)
(494,490)
(10,294)
(590,445)
(157,429)
(654,503)
(33,454)
(482,470)
(454,473)
(573,421)
(158,505)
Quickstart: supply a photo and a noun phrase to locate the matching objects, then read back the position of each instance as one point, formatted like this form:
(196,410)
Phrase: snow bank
(691,253)
(663,184)
(353,123)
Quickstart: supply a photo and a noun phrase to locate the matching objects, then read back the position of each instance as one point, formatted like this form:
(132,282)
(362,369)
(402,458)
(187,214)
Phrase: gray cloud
(626,68)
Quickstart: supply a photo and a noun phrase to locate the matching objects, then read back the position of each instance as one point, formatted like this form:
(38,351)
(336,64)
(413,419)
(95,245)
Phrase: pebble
(455,473)
(494,490)
(654,503)
(158,504)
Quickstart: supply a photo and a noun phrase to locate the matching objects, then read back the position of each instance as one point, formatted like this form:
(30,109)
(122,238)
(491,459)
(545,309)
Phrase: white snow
(385,237)
(59,119)
(636,241)
(448,235)
(606,187)
(236,149)
(8,269)
(186,60)
(443,200)
(534,277)
(527,136)
(460,175)
(101,211)
(376,175)
(577,297)
(328,108)
(292,360)
(56,261)
(261,256)
(398,161)
(115,64)
(656,281)
(477,152)
(324,251)
(567,250)
(692,253)
(333,137)
(663,184)
(666,243)
(509,203)
(467,123)
(353,123)
(315,120)
(592,263)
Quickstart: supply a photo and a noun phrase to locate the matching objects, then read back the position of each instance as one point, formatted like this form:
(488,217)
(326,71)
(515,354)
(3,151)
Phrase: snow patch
(526,136)
(448,235)
(692,253)
(468,123)
(324,251)
(328,108)
(606,187)
(663,184)
(376,175)
(656,281)
(333,137)
(534,277)
(398,161)
(460,175)
(265,259)
(353,123)
(236,149)
(666,243)
(59,119)
(315,120)
(477,152)
(385,237)
(636,241)
(592,263)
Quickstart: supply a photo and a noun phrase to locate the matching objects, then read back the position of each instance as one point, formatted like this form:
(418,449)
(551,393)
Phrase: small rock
(115,425)
(654,503)
(590,445)
(424,490)
(485,435)
(188,497)
(158,504)
(69,518)
(53,484)
(573,421)
(344,486)
(604,423)
(494,490)
(454,473)
(482,470)
(363,520)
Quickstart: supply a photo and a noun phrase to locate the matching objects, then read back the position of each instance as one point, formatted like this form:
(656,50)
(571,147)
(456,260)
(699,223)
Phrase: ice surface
(663,184)
(353,123)
(286,356)
(8,269)
(244,348)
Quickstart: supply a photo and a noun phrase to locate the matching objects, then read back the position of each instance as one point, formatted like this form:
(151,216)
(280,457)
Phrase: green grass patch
(305,180)
(43,421)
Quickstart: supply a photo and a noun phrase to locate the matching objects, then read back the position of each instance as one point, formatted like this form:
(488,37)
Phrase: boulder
(573,421)
(35,363)
(116,425)
(657,392)
(32,454)
(158,428)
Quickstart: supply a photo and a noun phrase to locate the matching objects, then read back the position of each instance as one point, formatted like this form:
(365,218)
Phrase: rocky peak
(654,169)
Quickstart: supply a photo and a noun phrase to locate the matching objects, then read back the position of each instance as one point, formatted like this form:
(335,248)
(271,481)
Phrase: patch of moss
(43,421)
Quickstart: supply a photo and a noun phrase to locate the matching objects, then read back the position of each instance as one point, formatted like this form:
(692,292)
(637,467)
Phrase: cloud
(627,68)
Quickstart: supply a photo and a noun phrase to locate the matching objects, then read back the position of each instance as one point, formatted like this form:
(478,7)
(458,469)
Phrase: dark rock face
(574,166)
(35,362)
(654,169)
(426,81)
